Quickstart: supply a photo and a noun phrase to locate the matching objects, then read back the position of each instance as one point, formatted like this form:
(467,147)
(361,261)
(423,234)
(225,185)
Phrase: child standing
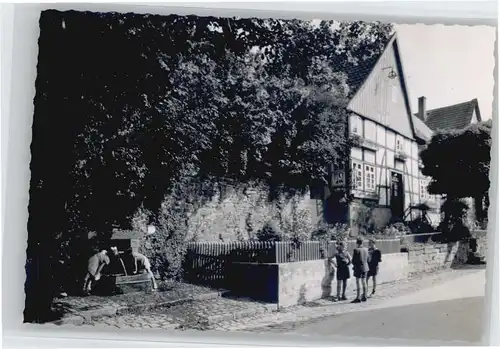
(342,261)
(360,269)
(374,258)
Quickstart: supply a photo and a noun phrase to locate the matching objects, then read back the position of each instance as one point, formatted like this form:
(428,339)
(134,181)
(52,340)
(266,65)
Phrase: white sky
(448,64)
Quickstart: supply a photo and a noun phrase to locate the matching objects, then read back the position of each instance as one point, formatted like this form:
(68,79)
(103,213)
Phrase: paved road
(452,311)
(468,285)
(458,319)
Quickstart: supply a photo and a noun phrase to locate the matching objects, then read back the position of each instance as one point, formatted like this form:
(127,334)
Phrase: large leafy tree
(458,162)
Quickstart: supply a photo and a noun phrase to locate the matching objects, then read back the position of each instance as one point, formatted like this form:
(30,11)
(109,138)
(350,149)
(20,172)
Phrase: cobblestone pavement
(228,314)
(193,315)
(168,291)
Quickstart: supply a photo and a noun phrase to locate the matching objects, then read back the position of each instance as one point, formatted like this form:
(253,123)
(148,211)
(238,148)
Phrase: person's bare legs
(374,281)
(86,282)
(339,285)
(344,288)
(153,281)
(365,286)
(358,289)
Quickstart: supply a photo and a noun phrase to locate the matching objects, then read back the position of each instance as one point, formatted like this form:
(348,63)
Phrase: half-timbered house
(385,168)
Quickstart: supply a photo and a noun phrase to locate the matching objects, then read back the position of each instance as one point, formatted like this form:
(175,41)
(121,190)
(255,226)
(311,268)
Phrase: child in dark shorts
(342,261)
(360,269)
(374,258)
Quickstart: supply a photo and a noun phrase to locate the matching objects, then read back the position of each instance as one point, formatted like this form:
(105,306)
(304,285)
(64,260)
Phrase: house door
(397,196)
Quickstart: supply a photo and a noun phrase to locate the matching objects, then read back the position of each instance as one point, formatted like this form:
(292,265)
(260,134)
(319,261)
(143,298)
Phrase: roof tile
(356,73)
(455,116)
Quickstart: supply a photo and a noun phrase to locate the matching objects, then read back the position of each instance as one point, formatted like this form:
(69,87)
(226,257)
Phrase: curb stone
(70,320)
(148,306)
(79,318)
(104,311)
(237,315)
(252,312)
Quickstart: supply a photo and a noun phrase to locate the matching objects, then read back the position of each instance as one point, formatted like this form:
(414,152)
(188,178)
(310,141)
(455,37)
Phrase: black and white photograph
(263,175)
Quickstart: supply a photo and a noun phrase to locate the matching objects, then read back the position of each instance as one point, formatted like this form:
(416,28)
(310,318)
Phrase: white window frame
(370,178)
(357,178)
(363,176)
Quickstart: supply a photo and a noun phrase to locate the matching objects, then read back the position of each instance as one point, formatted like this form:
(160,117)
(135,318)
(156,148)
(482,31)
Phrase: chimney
(422,111)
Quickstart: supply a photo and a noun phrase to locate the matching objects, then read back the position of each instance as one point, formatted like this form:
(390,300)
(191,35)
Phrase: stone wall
(301,282)
(288,284)
(431,257)
(394,267)
(307,281)
(255,280)
(380,216)
(238,214)
(481,237)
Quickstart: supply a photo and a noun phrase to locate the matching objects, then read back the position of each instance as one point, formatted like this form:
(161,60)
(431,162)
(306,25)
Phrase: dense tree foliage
(132,105)
(458,162)
(453,158)
(457,157)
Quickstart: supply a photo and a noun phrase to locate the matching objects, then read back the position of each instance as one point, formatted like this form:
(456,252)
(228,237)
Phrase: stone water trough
(125,240)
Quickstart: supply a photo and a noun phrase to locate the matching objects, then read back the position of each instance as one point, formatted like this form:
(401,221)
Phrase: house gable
(383,96)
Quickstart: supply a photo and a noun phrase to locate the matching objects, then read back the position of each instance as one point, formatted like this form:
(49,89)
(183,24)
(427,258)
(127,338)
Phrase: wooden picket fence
(259,252)
(206,262)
